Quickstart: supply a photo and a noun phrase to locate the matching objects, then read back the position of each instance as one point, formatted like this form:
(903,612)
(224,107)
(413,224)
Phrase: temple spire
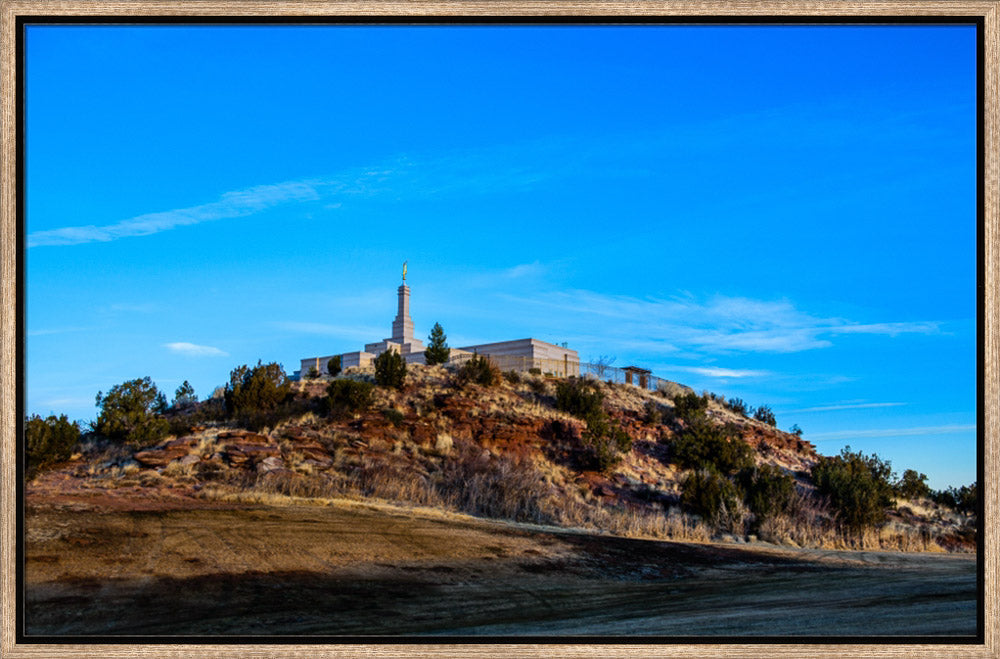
(402,326)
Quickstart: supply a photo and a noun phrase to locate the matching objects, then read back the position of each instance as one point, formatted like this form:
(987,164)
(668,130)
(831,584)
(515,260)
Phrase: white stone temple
(516,355)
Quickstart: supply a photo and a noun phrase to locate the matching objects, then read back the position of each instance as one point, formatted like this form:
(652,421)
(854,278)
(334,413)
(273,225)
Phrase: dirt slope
(349,568)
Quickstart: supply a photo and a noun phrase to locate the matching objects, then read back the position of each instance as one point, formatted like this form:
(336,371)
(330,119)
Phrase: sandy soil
(166,567)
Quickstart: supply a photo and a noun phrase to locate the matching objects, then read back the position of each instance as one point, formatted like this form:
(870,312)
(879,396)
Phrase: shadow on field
(353,571)
(610,588)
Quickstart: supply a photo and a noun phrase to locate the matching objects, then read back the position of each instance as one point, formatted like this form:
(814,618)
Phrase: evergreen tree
(130,413)
(254,394)
(858,486)
(333,366)
(48,441)
(912,485)
(390,369)
(184,395)
(437,351)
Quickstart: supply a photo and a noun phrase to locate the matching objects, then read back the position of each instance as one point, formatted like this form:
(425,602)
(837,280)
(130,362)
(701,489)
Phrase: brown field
(349,568)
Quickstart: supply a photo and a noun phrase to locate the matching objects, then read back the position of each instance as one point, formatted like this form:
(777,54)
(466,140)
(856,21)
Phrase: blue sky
(783,214)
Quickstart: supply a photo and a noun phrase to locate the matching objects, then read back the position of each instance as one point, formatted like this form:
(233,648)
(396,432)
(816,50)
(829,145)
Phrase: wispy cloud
(524,270)
(239,203)
(844,406)
(508,167)
(401,178)
(718,372)
(842,435)
(888,329)
(719,325)
(57,330)
(194,350)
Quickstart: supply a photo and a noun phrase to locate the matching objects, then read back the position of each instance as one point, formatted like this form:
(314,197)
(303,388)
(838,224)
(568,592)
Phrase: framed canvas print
(517,329)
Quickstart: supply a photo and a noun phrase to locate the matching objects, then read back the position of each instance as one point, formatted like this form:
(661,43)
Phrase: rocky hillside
(507,451)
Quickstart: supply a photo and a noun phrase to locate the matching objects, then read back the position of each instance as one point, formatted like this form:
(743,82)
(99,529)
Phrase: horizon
(784,214)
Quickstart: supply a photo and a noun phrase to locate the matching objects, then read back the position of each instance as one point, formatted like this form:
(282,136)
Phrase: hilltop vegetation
(561,451)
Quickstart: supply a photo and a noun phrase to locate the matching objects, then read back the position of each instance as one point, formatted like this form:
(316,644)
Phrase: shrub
(767,491)
(858,487)
(333,366)
(690,406)
(603,439)
(535,371)
(795,430)
(912,485)
(765,415)
(183,420)
(253,395)
(480,370)
(184,396)
(737,405)
(437,351)
(963,499)
(706,445)
(967,498)
(513,377)
(313,373)
(579,398)
(710,495)
(394,416)
(348,396)
(603,455)
(653,414)
(130,413)
(48,441)
(622,440)
(179,424)
(390,370)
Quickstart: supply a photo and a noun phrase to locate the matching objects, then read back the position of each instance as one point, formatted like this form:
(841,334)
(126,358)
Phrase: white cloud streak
(239,203)
(842,435)
(399,179)
(844,406)
(719,372)
(719,325)
(57,330)
(508,167)
(534,269)
(194,350)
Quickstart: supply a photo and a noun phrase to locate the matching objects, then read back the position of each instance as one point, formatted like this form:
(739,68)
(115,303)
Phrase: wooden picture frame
(13,11)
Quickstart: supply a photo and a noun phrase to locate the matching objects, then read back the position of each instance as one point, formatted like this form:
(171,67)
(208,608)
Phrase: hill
(562,452)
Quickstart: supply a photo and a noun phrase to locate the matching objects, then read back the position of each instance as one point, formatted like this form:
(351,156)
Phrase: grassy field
(353,568)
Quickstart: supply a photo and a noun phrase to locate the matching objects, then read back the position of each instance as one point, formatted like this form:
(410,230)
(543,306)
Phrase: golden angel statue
(404,270)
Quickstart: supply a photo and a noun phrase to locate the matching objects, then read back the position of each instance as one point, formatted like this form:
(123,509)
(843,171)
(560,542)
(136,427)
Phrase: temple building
(516,355)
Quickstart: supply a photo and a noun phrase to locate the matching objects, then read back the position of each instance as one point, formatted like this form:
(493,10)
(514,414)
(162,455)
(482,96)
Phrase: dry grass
(633,523)
(446,469)
(811,526)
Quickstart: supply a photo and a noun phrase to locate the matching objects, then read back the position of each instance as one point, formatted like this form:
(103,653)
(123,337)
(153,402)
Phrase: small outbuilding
(638,376)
